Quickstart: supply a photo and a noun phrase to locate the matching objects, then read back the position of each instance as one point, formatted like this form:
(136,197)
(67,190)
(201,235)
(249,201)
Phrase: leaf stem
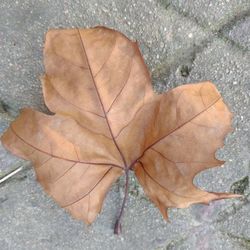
(118,227)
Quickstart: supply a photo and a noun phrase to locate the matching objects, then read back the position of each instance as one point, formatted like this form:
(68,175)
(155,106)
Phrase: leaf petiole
(118,227)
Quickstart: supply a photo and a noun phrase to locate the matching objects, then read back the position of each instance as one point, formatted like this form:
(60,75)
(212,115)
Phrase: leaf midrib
(100,100)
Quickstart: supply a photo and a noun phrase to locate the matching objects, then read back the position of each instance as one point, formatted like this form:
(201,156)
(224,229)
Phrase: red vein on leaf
(58,157)
(67,101)
(91,131)
(147,175)
(50,157)
(161,154)
(119,93)
(126,125)
(61,176)
(107,59)
(76,153)
(177,103)
(171,191)
(91,73)
(58,178)
(70,62)
(172,131)
(202,100)
(72,203)
(31,153)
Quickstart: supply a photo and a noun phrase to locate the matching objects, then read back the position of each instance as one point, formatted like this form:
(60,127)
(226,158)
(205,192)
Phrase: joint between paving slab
(188,60)
(216,33)
(239,17)
(231,210)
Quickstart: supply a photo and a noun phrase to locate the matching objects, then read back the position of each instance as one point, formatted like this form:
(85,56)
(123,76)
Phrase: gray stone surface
(8,162)
(213,14)
(161,34)
(226,224)
(180,45)
(240,33)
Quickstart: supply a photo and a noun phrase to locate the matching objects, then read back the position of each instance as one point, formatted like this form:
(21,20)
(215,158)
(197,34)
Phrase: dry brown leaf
(108,121)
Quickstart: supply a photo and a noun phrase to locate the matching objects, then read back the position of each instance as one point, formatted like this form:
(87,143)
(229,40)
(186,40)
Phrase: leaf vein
(58,157)
(172,131)
(121,90)
(95,185)
(100,100)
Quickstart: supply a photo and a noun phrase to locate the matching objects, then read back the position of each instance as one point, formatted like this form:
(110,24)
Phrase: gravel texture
(214,14)
(239,33)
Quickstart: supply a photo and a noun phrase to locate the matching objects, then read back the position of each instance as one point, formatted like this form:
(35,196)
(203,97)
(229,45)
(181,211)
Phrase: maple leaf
(109,121)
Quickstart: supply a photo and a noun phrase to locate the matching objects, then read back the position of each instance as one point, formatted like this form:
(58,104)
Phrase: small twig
(11,173)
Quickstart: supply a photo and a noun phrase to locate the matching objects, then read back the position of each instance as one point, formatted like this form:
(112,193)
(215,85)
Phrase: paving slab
(240,32)
(8,162)
(161,33)
(212,14)
(228,67)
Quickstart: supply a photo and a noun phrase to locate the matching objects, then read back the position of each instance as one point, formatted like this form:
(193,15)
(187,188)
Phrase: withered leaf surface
(108,121)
